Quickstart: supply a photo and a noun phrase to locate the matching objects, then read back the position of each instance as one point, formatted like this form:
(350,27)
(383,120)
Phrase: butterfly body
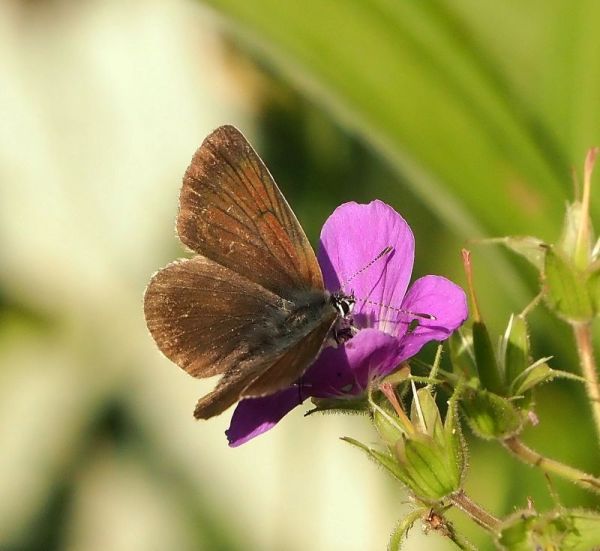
(251,304)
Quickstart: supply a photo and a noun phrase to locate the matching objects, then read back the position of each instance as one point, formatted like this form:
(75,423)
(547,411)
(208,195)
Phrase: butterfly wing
(205,317)
(264,374)
(231,211)
(276,367)
(211,320)
(293,362)
(252,305)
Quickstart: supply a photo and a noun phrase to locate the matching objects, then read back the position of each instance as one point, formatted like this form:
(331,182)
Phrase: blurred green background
(467,117)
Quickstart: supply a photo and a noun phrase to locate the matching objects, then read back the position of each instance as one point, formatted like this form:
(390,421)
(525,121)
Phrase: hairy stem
(477,513)
(583,338)
(550,466)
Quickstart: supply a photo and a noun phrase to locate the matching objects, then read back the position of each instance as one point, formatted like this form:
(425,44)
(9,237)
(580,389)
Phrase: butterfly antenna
(401,310)
(385,251)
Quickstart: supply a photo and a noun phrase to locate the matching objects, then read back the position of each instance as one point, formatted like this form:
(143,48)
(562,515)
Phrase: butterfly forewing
(230,210)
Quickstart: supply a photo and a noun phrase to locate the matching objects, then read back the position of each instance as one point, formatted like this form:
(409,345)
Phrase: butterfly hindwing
(275,368)
(292,364)
(205,317)
(210,320)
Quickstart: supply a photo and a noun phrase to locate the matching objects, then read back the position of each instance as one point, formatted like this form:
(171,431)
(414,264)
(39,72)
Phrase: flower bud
(490,416)
(566,288)
(577,530)
(570,269)
(425,454)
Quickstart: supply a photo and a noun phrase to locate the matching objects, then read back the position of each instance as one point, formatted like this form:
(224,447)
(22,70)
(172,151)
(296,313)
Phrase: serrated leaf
(566,289)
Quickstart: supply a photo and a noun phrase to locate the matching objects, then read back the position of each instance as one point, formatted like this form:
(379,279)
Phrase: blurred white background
(102,104)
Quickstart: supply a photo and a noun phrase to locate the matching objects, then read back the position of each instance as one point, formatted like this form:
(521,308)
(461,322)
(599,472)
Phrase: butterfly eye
(344,304)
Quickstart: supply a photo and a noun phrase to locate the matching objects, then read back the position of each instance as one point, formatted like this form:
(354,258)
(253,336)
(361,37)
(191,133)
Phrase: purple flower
(386,316)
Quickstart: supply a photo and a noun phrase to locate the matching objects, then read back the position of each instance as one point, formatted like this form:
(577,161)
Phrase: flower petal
(253,416)
(435,296)
(347,370)
(352,237)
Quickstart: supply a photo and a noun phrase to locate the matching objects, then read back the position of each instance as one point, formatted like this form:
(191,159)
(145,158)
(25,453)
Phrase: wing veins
(265,209)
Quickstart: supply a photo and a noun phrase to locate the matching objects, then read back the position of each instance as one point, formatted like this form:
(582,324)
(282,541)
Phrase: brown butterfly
(251,305)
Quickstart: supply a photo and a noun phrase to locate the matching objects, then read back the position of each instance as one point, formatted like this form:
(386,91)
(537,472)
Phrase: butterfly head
(343,303)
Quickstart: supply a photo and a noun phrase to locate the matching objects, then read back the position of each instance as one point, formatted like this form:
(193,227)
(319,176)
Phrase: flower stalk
(521,451)
(477,513)
(583,338)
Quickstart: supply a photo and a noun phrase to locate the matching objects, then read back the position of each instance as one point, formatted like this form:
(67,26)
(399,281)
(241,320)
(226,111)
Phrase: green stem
(477,513)
(531,457)
(585,349)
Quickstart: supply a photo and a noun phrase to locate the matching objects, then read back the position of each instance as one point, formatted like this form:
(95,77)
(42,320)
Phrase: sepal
(566,289)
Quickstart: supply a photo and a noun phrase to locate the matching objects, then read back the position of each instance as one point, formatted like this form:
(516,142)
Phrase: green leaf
(485,358)
(566,289)
(490,416)
(380,66)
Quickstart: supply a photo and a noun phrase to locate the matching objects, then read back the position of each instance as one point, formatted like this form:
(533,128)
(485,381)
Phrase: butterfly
(251,305)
